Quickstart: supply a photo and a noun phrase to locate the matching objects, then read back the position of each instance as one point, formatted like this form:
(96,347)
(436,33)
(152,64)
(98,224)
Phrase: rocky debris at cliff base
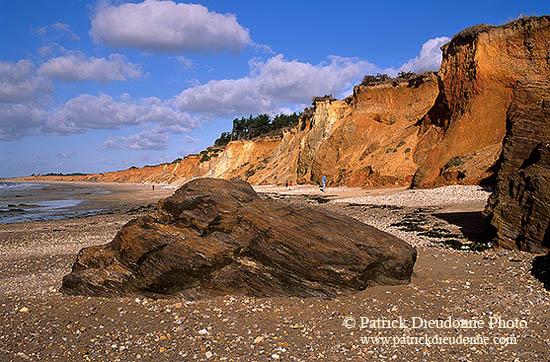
(441,196)
(215,237)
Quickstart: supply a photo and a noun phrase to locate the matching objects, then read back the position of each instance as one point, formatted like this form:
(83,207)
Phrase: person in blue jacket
(324,181)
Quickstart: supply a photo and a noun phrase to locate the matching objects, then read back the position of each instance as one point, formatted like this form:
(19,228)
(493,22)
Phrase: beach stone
(518,210)
(216,237)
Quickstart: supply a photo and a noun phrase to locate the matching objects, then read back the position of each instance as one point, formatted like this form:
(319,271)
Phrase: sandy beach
(450,283)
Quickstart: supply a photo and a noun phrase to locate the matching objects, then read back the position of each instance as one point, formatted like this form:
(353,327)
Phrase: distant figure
(286,185)
(324,181)
(153,187)
(290,183)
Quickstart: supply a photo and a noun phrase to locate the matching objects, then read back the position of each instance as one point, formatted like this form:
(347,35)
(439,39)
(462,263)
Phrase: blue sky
(104,85)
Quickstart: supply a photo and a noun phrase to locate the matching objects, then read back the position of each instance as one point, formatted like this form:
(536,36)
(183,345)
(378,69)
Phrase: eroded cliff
(479,71)
(428,130)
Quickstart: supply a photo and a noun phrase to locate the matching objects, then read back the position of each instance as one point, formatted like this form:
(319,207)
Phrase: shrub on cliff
(224,139)
(254,126)
(375,79)
(405,75)
(383,78)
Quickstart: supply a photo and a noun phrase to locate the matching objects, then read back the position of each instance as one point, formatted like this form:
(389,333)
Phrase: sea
(26,201)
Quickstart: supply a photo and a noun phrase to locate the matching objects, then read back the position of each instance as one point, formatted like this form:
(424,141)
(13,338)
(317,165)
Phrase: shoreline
(39,323)
(78,199)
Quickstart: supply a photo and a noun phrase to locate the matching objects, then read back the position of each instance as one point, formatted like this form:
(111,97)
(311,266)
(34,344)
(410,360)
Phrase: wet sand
(39,323)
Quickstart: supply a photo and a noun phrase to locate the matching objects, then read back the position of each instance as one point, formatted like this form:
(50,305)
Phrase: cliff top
(469,34)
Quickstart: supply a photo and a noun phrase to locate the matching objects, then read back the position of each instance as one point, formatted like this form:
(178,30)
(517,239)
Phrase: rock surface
(519,209)
(215,237)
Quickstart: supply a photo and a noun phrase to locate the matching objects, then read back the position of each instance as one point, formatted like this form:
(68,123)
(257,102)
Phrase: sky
(97,86)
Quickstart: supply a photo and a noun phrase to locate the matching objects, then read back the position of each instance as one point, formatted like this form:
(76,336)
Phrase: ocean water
(24,201)
(15,186)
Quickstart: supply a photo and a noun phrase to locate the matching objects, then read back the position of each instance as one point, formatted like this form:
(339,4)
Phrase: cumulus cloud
(18,120)
(22,97)
(19,83)
(104,112)
(144,140)
(165,26)
(429,57)
(272,84)
(77,67)
(58,30)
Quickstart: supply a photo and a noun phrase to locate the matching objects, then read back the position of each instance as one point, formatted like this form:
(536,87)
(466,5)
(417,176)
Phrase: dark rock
(541,269)
(215,237)
(518,211)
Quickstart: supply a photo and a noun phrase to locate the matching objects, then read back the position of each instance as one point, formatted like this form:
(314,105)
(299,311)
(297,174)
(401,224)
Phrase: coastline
(69,199)
(39,323)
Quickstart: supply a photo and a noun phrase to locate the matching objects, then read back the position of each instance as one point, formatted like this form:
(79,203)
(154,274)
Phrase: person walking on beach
(153,185)
(324,181)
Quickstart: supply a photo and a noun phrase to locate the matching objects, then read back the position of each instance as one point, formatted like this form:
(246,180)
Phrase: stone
(217,237)
(541,269)
(518,211)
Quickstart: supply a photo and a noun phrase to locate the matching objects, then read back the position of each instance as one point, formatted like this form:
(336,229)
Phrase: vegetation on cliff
(255,126)
(383,78)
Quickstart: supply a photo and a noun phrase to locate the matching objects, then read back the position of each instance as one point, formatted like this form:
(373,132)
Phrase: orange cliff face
(367,139)
(479,71)
(428,130)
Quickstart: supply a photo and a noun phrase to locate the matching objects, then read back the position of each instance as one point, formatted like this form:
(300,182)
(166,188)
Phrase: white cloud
(272,84)
(190,139)
(77,67)
(104,112)
(165,26)
(65,155)
(184,63)
(144,140)
(429,58)
(178,128)
(19,83)
(18,120)
(58,30)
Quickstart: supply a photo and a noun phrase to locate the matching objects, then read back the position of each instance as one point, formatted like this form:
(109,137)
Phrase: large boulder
(215,237)
(519,209)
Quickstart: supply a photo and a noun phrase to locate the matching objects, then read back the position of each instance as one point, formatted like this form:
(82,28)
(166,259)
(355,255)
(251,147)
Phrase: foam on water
(14,186)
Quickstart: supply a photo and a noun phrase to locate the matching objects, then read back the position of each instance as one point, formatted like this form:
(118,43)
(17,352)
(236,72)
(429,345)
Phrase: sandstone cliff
(425,131)
(479,71)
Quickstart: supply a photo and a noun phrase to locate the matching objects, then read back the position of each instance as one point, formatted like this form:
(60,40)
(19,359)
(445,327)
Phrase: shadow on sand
(472,224)
(541,269)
